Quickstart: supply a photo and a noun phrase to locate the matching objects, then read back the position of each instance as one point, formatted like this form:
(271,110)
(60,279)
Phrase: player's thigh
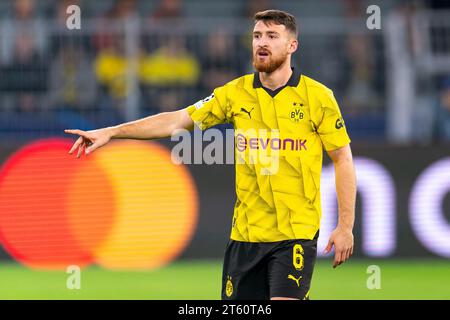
(291,267)
(244,274)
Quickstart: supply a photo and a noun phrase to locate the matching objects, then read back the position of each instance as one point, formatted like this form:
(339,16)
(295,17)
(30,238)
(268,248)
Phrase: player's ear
(293,45)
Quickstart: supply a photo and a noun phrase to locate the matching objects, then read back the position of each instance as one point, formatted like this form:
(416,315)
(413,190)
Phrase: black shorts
(260,271)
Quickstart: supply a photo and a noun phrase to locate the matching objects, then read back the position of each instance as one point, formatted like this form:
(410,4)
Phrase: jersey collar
(294,80)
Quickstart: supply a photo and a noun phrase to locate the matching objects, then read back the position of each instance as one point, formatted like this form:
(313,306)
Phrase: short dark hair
(278,17)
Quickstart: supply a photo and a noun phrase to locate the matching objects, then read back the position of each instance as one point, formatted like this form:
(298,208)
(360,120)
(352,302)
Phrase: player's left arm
(342,236)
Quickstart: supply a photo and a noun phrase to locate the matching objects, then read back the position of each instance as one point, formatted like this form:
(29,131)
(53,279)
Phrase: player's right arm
(153,127)
(205,113)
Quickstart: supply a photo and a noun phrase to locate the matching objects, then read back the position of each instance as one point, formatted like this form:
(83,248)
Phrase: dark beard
(270,66)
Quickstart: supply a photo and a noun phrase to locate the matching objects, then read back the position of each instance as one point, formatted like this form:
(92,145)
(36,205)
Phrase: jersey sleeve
(331,128)
(210,111)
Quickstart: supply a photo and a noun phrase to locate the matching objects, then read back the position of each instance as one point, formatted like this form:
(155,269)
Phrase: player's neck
(276,79)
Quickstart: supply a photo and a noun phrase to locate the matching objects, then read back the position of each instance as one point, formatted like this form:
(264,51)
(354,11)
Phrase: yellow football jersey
(279,141)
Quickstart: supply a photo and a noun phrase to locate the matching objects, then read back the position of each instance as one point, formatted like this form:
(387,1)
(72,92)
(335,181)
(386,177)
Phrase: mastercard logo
(126,206)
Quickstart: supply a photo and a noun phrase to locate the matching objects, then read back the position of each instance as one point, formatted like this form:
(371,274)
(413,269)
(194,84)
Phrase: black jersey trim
(293,81)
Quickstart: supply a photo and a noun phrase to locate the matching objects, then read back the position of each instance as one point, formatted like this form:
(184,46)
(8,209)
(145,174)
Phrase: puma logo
(248,112)
(295,279)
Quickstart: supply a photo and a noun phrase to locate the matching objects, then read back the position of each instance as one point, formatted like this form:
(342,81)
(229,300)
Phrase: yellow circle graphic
(156,206)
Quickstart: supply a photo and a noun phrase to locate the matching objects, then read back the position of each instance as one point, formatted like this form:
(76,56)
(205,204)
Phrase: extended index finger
(76,131)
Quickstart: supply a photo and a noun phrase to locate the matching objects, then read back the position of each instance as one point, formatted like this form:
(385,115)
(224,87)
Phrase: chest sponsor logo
(254,143)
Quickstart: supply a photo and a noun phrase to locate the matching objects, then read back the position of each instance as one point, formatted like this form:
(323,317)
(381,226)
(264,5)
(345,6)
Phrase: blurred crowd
(81,78)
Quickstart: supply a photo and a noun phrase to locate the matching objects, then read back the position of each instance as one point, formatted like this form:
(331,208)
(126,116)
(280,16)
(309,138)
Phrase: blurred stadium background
(141,227)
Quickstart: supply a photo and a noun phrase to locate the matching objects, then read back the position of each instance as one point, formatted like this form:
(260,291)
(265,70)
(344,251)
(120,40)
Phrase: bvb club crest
(296,114)
(229,287)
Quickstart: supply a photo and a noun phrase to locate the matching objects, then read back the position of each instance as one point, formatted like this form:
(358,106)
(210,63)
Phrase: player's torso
(276,149)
